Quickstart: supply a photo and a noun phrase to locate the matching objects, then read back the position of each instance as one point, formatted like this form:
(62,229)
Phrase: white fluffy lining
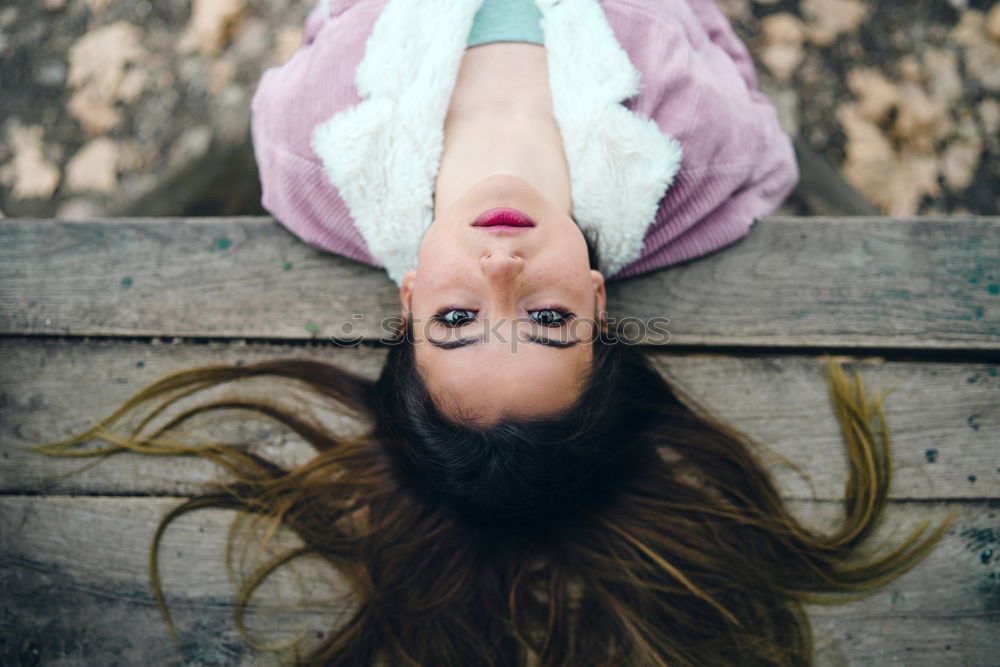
(383,154)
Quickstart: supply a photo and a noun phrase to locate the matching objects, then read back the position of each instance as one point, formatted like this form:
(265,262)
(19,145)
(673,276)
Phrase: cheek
(571,277)
(440,265)
(569,256)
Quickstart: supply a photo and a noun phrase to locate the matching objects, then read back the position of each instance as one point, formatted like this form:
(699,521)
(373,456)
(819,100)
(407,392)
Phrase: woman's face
(503,319)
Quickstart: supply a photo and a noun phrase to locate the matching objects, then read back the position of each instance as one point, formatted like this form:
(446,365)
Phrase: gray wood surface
(92,311)
(945,417)
(67,581)
(850,282)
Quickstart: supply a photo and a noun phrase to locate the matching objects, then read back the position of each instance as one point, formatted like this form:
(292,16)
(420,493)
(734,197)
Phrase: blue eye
(549,317)
(455,317)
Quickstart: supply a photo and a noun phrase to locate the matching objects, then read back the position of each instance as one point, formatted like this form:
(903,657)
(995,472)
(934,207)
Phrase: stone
(783,35)
(915,175)
(51,74)
(961,158)
(959,162)
(211,26)
(8,16)
(876,94)
(920,122)
(94,167)
(869,155)
(30,173)
(253,39)
(132,85)
(894,182)
(910,69)
(989,116)
(981,54)
(97,63)
(113,70)
(191,145)
(220,74)
(79,208)
(825,20)
(736,10)
(287,43)
(135,156)
(993,22)
(95,112)
(99,58)
(943,79)
(983,62)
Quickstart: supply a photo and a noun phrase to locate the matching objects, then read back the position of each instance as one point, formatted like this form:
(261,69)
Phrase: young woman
(401,128)
(529,491)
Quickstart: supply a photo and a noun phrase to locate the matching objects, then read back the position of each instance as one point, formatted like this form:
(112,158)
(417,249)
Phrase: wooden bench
(91,311)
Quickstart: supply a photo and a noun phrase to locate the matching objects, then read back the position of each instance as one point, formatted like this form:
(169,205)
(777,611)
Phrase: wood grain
(945,417)
(171,294)
(81,602)
(814,282)
(75,570)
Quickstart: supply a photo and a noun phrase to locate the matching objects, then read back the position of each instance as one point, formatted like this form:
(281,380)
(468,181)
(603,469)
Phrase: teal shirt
(506,21)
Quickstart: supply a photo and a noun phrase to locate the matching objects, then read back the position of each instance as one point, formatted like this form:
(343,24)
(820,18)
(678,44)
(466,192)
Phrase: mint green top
(506,21)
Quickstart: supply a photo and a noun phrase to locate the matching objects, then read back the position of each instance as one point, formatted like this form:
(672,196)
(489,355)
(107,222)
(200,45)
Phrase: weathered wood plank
(861,282)
(834,282)
(72,600)
(54,388)
(200,277)
(945,417)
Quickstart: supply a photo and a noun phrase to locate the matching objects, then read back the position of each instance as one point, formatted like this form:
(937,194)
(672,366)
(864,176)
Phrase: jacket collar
(383,154)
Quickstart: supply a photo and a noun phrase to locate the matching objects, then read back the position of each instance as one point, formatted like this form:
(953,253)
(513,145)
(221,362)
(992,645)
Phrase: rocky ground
(123,107)
(901,97)
(134,107)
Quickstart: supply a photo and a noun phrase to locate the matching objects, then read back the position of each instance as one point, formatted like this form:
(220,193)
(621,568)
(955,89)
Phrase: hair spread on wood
(635,529)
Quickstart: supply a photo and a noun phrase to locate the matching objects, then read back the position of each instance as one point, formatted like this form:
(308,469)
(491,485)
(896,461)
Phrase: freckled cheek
(570,280)
(443,270)
(450,277)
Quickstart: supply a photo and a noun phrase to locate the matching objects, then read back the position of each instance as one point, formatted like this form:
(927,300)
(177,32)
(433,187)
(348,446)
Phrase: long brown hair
(666,543)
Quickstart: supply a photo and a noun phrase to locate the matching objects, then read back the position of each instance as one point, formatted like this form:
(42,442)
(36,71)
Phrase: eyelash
(564,316)
(440,317)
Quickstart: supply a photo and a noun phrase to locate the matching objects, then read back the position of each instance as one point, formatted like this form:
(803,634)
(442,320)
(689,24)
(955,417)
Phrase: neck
(500,121)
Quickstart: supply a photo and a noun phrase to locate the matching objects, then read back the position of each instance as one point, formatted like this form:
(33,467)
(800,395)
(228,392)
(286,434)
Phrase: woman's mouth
(504,221)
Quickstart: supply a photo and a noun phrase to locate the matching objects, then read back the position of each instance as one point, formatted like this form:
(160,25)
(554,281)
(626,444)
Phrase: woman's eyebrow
(462,342)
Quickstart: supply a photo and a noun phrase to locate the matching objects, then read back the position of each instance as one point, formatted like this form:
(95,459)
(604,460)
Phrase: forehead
(488,380)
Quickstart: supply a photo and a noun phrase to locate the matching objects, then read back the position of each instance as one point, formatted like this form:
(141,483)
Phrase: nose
(501,265)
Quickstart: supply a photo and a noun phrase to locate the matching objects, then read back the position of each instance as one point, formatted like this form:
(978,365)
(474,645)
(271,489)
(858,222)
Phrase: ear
(600,299)
(406,291)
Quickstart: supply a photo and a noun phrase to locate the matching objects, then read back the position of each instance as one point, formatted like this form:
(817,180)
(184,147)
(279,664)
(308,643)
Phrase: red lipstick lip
(504,219)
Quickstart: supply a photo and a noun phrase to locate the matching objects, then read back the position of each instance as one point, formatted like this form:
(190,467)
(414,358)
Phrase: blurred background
(136,107)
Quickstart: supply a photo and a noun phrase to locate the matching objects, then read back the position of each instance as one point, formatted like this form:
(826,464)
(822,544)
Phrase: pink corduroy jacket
(342,170)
